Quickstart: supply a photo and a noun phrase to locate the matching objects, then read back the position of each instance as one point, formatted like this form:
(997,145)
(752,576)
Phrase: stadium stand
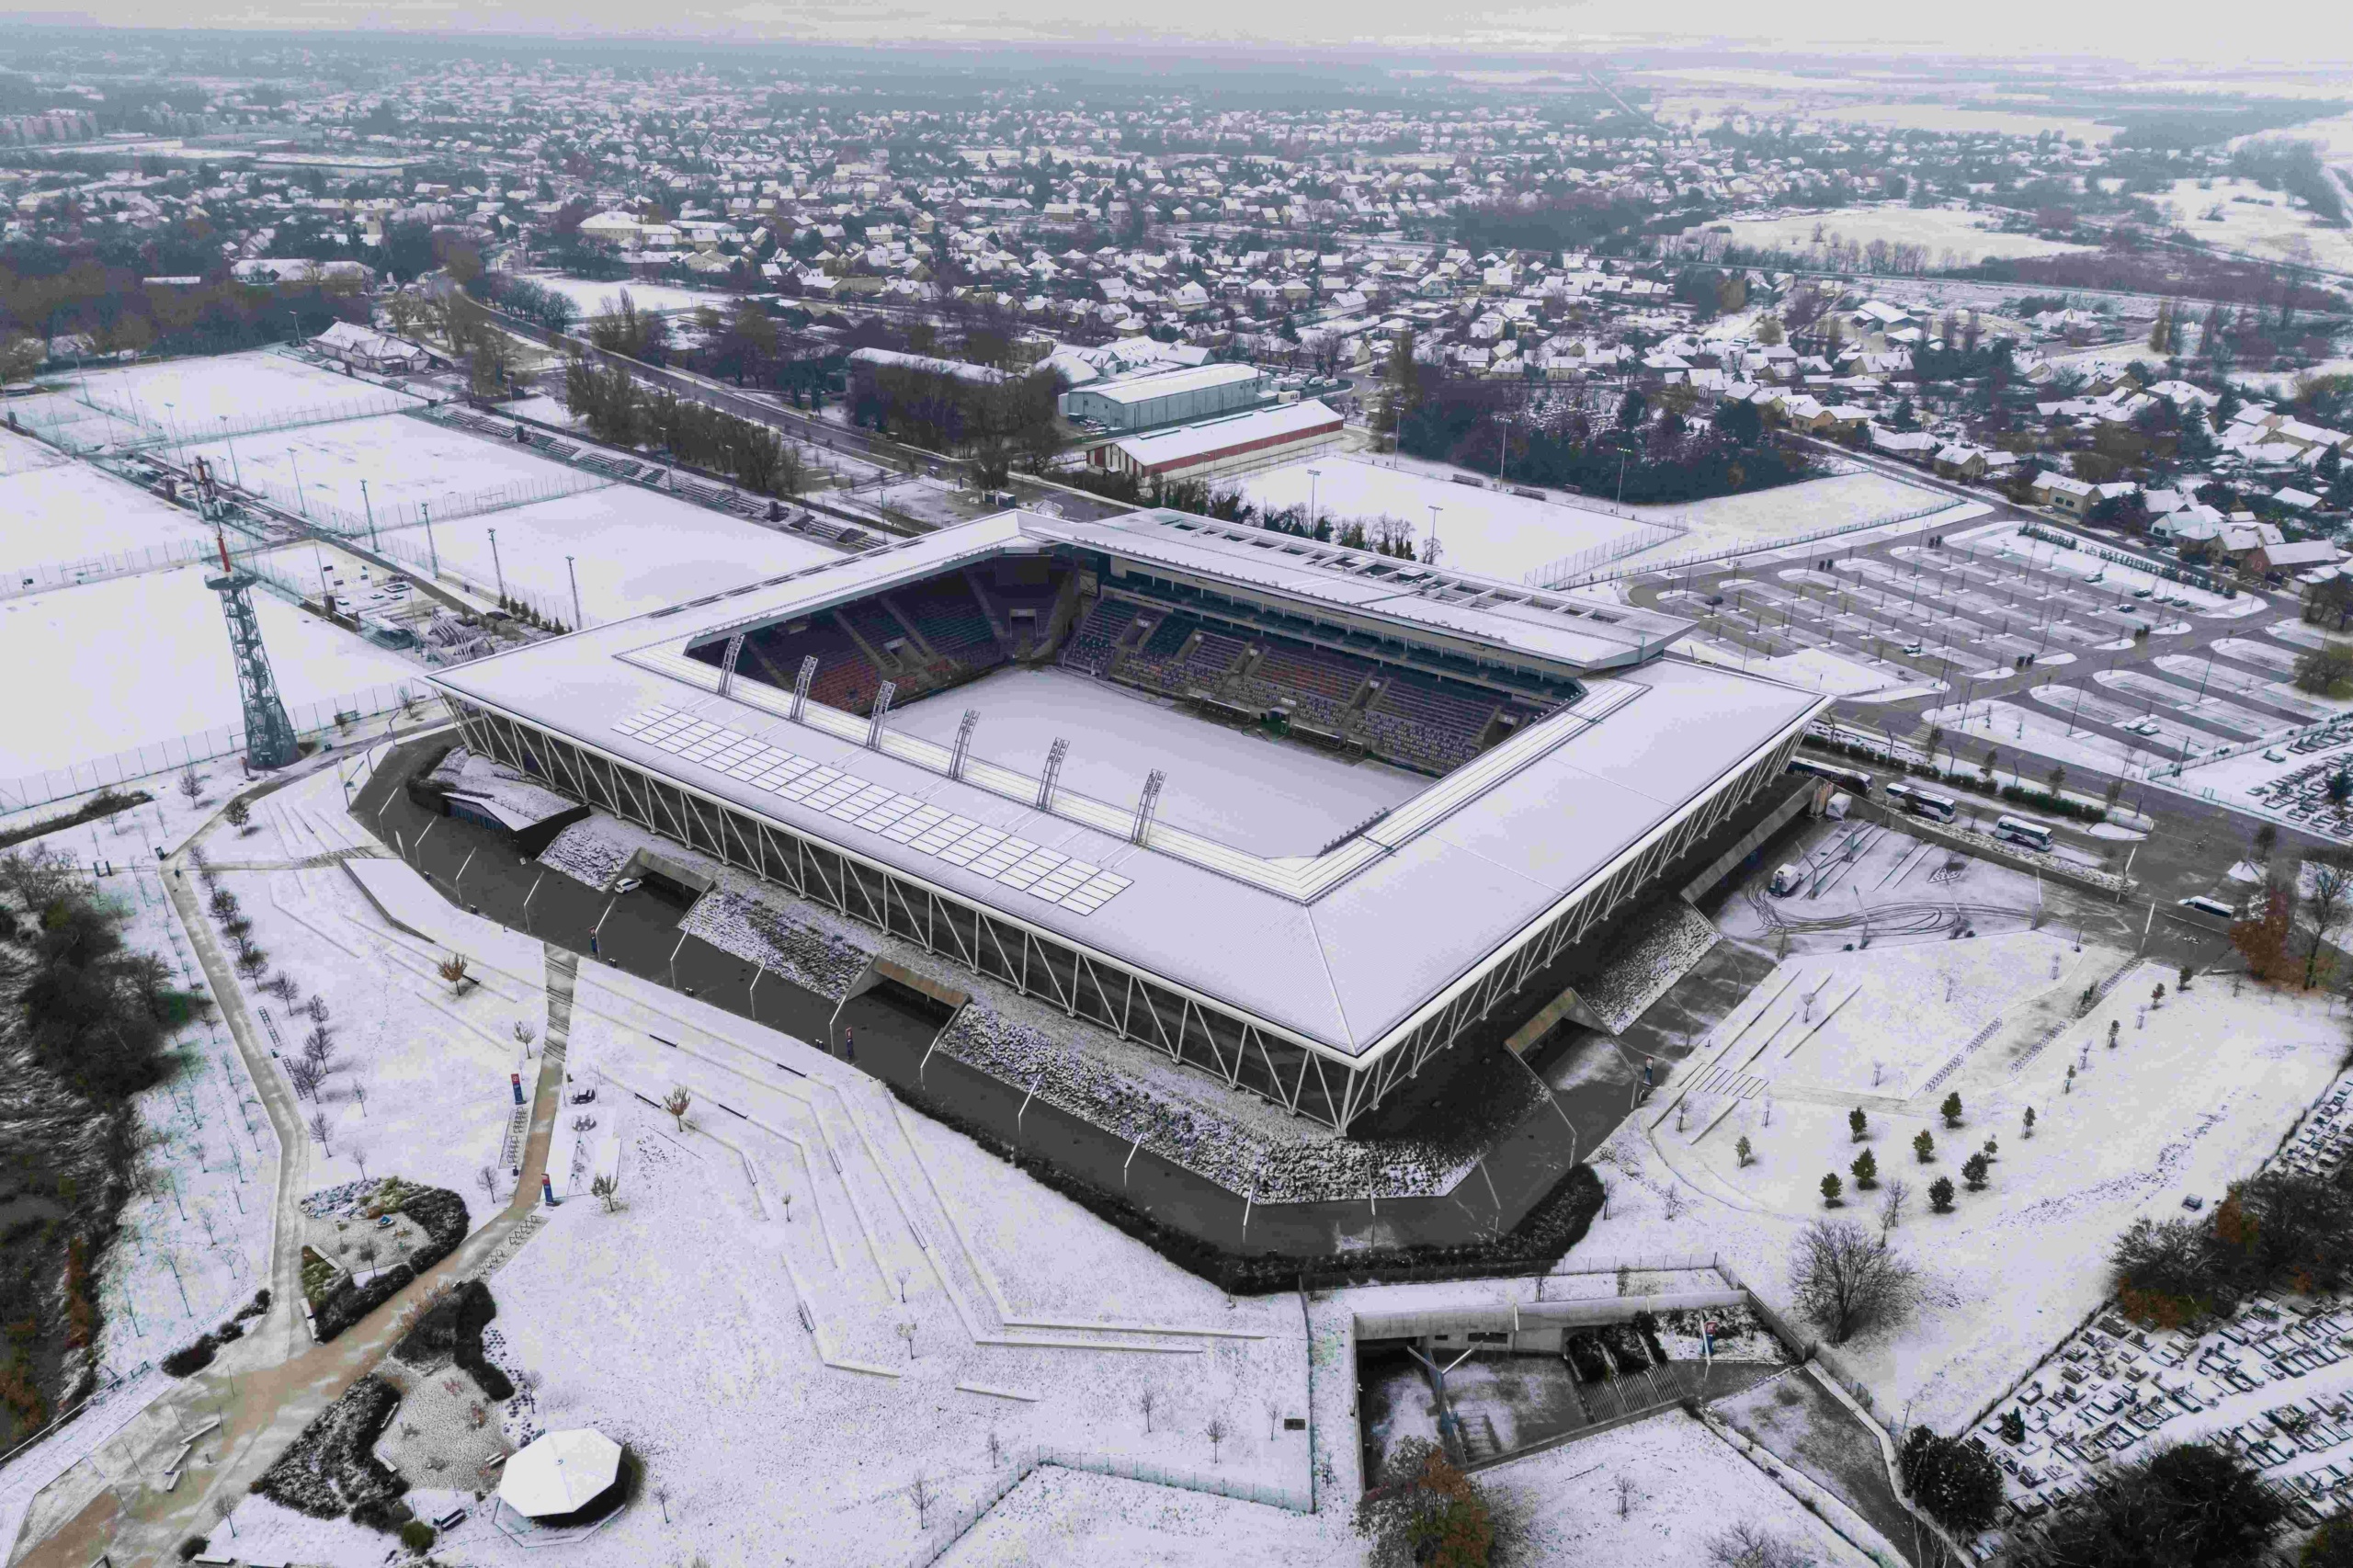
(943,614)
(1095,641)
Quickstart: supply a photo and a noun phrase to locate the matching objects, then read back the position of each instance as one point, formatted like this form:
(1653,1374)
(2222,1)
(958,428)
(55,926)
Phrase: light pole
(370,507)
(302,502)
(575,576)
(433,550)
(235,471)
(495,567)
(1312,475)
(1434,512)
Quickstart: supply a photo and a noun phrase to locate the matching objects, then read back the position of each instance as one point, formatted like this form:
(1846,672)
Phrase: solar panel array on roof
(1075,885)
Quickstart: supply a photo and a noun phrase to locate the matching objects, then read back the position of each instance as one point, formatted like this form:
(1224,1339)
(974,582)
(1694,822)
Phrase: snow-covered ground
(22,454)
(132,660)
(2195,1095)
(1491,532)
(2238,214)
(1971,237)
(187,399)
(419,1083)
(1690,1487)
(405,464)
(633,549)
(70,511)
(1238,787)
(591,296)
(1791,511)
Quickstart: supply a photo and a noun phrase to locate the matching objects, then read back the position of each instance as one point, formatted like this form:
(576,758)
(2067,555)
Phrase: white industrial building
(1239,443)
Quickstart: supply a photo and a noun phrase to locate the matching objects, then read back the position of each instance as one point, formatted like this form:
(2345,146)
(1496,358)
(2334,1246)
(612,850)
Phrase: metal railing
(1755,547)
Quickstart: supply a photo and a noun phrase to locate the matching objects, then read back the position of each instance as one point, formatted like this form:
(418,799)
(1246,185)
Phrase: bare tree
(1746,1546)
(903,1286)
(319,1130)
(487,1179)
(453,969)
(223,1506)
(303,1077)
(359,1158)
(661,1496)
(1890,1204)
(525,1033)
(921,1493)
(907,1331)
(359,1093)
(2326,906)
(1147,1400)
(191,786)
(676,1102)
(316,1009)
(608,1193)
(1625,1487)
(1844,1278)
(1217,1432)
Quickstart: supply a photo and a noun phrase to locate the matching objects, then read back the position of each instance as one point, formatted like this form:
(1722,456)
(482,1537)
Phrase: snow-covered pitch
(1238,786)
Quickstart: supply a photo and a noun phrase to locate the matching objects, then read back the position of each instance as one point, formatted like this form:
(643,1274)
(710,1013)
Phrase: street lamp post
(432,550)
(575,576)
(302,502)
(1312,475)
(1434,512)
(495,567)
(370,507)
(235,471)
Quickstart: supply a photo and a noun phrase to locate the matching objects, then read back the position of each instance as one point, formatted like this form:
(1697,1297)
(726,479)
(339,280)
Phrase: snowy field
(133,660)
(591,296)
(1789,511)
(1491,532)
(404,463)
(1238,787)
(187,399)
(635,550)
(2266,223)
(1971,237)
(69,511)
(22,454)
(2195,1096)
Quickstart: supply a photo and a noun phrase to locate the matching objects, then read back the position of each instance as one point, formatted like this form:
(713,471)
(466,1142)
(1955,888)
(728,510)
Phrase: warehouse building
(1239,443)
(1166,397)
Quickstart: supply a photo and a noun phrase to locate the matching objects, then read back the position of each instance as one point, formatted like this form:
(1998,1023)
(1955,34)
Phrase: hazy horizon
(2010,32)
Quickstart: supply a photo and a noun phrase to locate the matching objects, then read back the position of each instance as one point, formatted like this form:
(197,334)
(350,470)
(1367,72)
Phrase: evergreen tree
(1866,1169)
(1924,1146)
(1973,1170)
(1831,1188)
(1950,1109)
(1858,1123)
(1954,1480)
(1940,1195)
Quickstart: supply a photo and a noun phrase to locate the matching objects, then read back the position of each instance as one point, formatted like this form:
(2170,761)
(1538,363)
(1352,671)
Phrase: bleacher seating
(1167,639)
(1098,633)
(1302,666)
(944,613)
(845,678)
(872,622)
(1215,655)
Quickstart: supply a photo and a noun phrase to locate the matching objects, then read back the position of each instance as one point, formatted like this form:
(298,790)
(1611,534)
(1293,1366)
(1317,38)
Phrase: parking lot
(2084,660)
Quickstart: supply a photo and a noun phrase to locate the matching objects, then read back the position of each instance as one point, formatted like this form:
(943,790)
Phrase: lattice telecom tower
(269,734)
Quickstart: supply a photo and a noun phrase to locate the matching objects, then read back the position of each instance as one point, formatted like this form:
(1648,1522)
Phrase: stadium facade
(1574,761)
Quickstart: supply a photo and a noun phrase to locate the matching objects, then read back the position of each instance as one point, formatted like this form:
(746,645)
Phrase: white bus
(1922,802)
(2018,830)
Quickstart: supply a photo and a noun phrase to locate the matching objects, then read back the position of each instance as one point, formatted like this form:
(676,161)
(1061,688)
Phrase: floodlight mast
(963,750)
(269,734)
(875,723)
(1052,775)
(1148,806)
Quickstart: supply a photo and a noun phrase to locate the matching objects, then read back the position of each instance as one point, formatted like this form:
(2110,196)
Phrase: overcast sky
(2299,34)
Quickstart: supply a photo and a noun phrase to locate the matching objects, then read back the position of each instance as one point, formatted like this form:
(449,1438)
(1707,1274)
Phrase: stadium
(1301,817)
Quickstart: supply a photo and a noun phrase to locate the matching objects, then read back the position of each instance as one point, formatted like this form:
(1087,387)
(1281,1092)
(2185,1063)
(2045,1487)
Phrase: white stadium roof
(1340,953)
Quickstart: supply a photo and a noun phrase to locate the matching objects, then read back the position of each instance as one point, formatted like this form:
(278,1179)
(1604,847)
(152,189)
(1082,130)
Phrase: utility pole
(495,567)
(575,576)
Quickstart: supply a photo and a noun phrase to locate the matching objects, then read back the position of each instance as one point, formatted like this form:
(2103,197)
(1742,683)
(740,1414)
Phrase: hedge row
(452,1326)
(332,1469)
(443,1215)
(1557,1223)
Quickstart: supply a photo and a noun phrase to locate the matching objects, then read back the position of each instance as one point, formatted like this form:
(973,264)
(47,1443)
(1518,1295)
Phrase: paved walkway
(267,1387)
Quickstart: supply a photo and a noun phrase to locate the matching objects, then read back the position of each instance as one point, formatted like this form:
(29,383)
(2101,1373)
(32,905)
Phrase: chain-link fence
(329,716)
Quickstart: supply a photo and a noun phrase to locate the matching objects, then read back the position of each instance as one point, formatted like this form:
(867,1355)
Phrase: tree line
(620,412)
